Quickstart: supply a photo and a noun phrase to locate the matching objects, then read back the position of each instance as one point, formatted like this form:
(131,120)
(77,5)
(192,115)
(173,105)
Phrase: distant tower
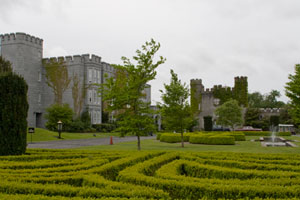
(25,54)
(196,95)
(240,90)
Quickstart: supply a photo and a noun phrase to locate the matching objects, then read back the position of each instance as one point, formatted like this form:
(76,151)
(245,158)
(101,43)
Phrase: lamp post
(59,128)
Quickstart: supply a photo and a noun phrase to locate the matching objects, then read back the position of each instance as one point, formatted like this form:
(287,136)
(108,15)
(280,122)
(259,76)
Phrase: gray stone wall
(25,52)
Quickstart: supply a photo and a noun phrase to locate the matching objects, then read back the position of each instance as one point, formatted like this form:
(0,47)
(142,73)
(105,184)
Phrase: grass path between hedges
(241,146)
(46,135)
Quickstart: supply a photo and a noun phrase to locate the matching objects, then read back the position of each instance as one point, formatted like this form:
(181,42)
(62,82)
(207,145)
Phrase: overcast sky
(212,40)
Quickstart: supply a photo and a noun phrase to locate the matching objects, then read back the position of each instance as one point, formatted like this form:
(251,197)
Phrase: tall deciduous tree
(175,110)
(293,92)
(124,93)
(229,114)
(78,94)
(57,78)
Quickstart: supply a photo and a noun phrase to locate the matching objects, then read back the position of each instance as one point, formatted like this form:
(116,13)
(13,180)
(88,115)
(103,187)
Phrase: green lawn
(46,135)
(240,146)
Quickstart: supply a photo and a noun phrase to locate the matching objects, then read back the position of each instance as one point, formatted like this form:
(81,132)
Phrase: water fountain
(274,141)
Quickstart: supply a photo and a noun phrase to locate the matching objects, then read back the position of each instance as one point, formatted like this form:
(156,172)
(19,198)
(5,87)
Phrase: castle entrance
(38,120)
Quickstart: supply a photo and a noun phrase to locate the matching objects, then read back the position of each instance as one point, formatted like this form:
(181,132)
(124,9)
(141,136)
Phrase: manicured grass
(241,146)
(46,135)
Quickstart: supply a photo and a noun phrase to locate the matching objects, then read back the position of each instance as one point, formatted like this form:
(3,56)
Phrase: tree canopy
(57,78)
(176,112)
(229,114)
(293,92)
(269,100)
(125,93)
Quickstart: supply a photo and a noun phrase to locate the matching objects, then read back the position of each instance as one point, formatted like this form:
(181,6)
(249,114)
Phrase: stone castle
(205,101)
(25,52)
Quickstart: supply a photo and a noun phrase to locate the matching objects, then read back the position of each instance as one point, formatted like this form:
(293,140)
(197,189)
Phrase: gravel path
(69,144)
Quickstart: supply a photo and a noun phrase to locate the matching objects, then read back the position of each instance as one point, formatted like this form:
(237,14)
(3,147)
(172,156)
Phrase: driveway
(69,144)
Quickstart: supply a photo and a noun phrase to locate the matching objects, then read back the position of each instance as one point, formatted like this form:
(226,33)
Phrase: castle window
(95,76)
(99,80)
(95,117)
(90,96)
(95,97)
(90,75)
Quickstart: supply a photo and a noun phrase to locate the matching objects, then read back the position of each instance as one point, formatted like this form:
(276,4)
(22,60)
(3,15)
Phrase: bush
(170,137)
(158,136)
(85,118)
(58,112)
(77,126)
(13,114)
(238,136)
(212,139)
(265,133)
(104,128)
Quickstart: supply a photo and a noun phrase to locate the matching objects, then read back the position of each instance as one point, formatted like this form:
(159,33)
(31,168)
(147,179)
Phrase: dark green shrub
(13,114)
(238,136)
(265,133)
(212,139)
(77,126)
(58,112)
(85,118)
(104,128)
(158,136)
(170,137)
(208,123)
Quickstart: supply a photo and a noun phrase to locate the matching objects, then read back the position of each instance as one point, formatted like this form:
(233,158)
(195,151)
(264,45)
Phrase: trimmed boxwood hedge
(265,133)
(215,139)
(170,137)
(237,136)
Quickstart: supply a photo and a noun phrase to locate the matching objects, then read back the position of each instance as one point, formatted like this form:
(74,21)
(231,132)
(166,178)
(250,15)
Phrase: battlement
(76,59)
(20,37)
(240,78)
(218,87)
(196,81)
(270,110)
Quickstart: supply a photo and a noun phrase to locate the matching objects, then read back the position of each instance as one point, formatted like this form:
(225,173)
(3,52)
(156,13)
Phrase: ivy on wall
(239,92)
(222,93)
(195,100)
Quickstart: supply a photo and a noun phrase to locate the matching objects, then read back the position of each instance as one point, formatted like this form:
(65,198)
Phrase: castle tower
(196,95)
(240,90)
(25,52)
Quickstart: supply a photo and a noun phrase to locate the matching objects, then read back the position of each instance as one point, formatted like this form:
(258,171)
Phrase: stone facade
(25,52)
(204,101)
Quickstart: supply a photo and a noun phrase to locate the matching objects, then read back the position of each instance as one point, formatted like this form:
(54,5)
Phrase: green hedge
(174,137)
(13,114)
(209,139)
(158,136)
(237,136)
(265,133)
(170,137)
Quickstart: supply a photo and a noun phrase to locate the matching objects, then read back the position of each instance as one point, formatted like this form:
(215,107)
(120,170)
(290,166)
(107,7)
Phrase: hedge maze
(71,174)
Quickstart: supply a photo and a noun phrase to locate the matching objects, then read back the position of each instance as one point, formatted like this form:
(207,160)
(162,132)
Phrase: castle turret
(196,95)
(240,90)
(25,53)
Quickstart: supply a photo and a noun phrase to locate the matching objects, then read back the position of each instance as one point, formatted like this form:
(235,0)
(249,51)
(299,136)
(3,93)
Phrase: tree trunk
(139,142)
(182,142)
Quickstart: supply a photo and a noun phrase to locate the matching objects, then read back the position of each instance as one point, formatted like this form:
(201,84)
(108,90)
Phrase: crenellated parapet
(20,38)
(270,110)
(76,59)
